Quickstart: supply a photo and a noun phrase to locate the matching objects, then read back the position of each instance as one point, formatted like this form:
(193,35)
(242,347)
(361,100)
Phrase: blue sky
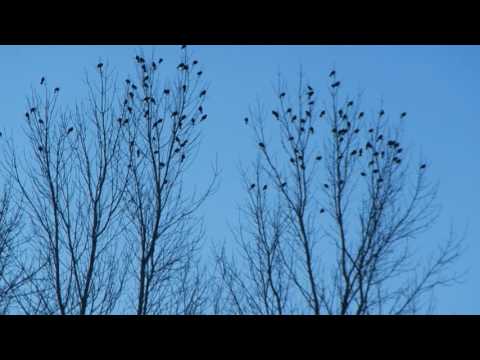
(439,87)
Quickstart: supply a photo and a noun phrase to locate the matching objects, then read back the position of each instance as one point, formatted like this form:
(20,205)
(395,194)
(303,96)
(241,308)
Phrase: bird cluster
(264,188)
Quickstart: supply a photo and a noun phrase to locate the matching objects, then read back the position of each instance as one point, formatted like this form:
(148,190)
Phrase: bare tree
(352,202)
(161,128)
(72,183)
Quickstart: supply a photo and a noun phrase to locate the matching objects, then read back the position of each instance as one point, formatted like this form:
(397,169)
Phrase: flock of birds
(370,146)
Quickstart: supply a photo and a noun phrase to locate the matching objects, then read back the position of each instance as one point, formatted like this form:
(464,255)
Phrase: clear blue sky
(439,87)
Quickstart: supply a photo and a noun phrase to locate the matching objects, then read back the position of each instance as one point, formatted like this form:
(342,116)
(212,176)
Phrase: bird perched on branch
(332,73)
(42,80)
(336,84)
(246,121)
(322,113)
(402,115)
(275,114)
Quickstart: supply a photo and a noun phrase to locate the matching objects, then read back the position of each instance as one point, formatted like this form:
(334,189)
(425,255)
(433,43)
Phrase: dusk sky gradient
(439,87)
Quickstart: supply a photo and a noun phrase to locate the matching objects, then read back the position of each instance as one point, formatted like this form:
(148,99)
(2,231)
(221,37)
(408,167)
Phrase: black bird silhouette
(40,148)
(184,88)
(311,102)
(326,186)
(199,73)
(376,171)
(166,91)
(195,62)
(333,73)
(356,131)
(246,121)
(175,113)
(336,84)
(311,129)
(380,180)
(350,103)
(308,113)
(363,174)
(368,146)
(370,130)
(99,66)
(131,95)
(376,153)
(283,184)
(402,115)
(265,187)
(69,130)
(200,108)
(292,160)
(340,112)
(160,61)
(353,153)
(310,94)
(262,145)
(399,151)
(290,138)
(204,117)
(193,121)
(203,93)
(380,137)
(134,87)
(360,152)
(302,166)
(162,164)
(361,115)
(371,163)
(303,121)
(184,143)
(424,166)
(128,81)
(154,66)
(302,129)
(40,121)
(129,109)
(289,110)
(382,112)
(57,89)
(274,113)
(252,186)
(322,211)
(322,114)
(294,117)
(177,150)
(137,58)
(282,95)
(182,158)
(42,81)
(183,117)
(181,66)
(27,115)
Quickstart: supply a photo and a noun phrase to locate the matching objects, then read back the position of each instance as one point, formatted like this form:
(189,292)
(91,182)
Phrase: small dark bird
(262,145)
(42,81)
(134,87)
(292,160)
(166,91)
(204,117)
(336,84)
(376,153)
(302,166)
(322,114)
(368,146)
(181,66)
(40,148)
(282,95)
(290,138)
(27,115)
(326,186)
(399,151)
(289,110)
(162,164)
(177,150)
(311,103)
(40,121)
(283,184)
(356,131)
(402,115)
(308,113)
(99,66)
(182,159)
(318,158)
(310,94)
(380,180)
(376,171)
(131,95)
(129,109)
(199,73)
(371,163)
(322,211)
(350,103)
(311,129)
(363,174)
(333,73)
(154,66)
(275,114)
(160,61)
(33,109)
(361,115)
(69,130)
(265,187)
(252,186)
(183,117)
(184,88)
(175,113)
(203,93)
(246,121)
(353,153)
(294,117)
(360,152)
(340,112)
(128,82)
(370,131)
(302,129)
(381,113)
(195,62)
(423,167)
(200,109)
(380,137)
(193,121)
